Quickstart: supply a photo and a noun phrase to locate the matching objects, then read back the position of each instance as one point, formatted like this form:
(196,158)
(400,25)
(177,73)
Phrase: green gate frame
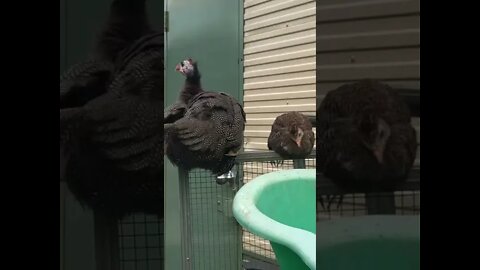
(201,30)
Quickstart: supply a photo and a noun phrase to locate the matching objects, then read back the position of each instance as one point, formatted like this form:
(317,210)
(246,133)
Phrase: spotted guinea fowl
(291,136)
(365,141)
(114,140)
(203,129)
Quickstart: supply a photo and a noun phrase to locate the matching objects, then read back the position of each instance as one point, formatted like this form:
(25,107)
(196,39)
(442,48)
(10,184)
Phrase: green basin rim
(247,214)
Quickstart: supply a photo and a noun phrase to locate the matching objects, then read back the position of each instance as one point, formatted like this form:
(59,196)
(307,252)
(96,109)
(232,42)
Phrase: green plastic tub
(369,242)
(280,207)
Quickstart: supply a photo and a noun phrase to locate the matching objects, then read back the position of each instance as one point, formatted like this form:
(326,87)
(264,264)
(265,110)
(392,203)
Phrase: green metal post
(210,32)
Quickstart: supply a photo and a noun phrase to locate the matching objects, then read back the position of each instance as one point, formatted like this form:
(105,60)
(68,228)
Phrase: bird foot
(232,153)
(224,178)
(329,201)
(276,163)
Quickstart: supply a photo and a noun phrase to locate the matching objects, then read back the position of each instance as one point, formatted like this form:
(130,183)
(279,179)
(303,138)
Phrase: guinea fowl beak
(178,68)
(298,141)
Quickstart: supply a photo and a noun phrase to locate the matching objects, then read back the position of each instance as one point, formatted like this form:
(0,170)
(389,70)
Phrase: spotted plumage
(204,129)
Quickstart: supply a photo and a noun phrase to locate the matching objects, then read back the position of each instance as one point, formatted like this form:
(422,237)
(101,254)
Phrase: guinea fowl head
(188,68)
(296,134)
(192,86)
(375,133)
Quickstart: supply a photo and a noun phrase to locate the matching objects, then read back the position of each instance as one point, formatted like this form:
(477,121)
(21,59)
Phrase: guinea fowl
(203,129)
(365,141)
(291,136)
(114,137)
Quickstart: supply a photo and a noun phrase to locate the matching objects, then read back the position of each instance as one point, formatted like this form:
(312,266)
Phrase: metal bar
(62,225)
(248,255)
(173,218)
(238,183)
(106,241)
(299,164)
(325,186)
(185,219)
(265,156)
(380,203)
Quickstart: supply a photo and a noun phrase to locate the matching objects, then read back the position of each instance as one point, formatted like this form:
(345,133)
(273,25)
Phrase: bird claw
(329,200)
(320,200)
(276,163)
(224,178)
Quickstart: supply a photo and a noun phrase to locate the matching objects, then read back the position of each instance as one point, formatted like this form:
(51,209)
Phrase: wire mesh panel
(140,240)
(310,163)
(252,243)
(405,200)
(212,236)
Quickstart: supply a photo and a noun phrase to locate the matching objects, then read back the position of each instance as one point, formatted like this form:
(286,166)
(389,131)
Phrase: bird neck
(193,80)
(191,88)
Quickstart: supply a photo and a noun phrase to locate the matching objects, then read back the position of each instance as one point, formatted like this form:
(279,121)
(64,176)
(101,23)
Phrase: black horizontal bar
(265,156)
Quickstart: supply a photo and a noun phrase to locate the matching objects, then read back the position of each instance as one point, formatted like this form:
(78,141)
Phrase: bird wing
(151,42)
(404,139)
(174,112)
(275,137)
(83,82)
(126,123)
(198,136)
(234,130)
(127,130)
(207,122)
